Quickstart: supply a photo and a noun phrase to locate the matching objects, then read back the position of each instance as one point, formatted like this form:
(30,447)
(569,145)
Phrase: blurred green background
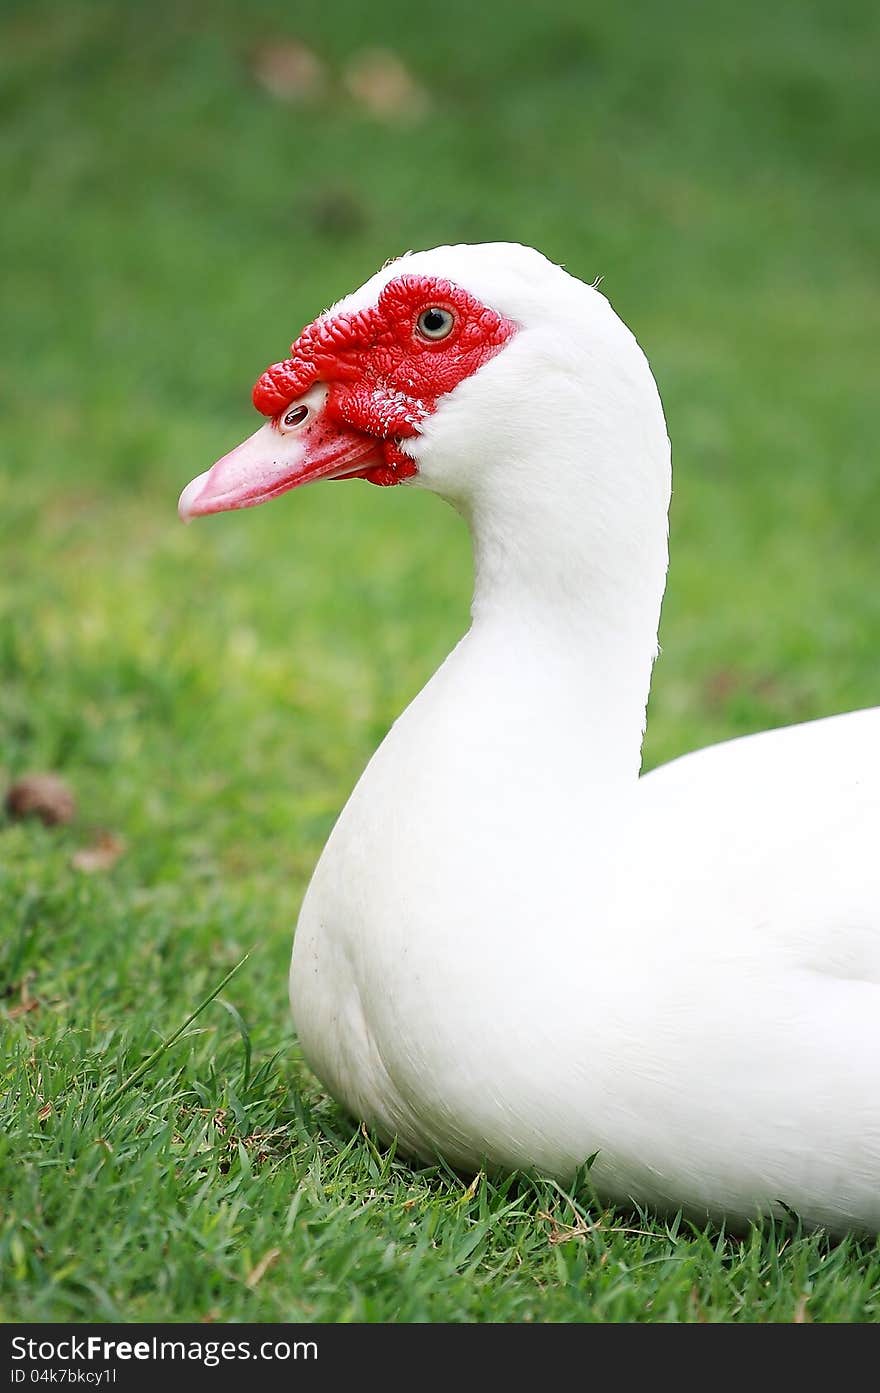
(185,184)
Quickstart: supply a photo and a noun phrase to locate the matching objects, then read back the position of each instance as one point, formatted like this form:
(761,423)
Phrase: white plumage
(516,952)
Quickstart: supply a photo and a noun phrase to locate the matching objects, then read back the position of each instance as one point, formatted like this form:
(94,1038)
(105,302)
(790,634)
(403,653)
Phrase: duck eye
(434,323)
(293,417)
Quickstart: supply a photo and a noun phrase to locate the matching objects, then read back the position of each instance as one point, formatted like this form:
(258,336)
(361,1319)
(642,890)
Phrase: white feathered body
(517,953)
(687,983)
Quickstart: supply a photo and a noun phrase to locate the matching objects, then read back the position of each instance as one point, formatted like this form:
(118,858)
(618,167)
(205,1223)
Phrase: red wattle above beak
(277,458)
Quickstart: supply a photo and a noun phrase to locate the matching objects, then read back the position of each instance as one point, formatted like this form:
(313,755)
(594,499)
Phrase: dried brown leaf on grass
(100,855)
(45,796)
(379,81)
(376,79)
(289,71)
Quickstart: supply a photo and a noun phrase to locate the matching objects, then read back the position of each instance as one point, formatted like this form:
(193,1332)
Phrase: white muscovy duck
(516,952)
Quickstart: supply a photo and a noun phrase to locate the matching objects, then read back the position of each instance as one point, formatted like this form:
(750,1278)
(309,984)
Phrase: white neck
(566,608)
(556,454)
(569,619)
(568,519)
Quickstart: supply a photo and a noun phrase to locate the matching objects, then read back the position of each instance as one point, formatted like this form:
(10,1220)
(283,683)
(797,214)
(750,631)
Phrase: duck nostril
(293,417)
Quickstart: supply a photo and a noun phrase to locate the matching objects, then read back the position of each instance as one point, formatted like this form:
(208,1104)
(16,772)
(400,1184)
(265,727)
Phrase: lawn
(179,200)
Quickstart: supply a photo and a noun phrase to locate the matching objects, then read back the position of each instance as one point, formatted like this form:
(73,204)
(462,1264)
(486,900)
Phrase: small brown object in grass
(102,855)
(289,71)
(41,795)
(384,87)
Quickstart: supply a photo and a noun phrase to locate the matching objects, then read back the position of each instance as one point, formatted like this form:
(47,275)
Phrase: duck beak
(279,457)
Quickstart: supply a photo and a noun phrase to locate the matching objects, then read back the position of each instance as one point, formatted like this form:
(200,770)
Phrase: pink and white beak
(300,445)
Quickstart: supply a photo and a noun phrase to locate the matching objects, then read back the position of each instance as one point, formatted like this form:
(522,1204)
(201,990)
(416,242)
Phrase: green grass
(212,693)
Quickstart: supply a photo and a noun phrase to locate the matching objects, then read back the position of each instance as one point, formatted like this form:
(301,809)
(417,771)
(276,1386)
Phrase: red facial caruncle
(383,371)
(388,365)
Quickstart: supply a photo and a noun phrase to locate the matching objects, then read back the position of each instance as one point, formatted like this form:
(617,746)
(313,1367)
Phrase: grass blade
(166,1044)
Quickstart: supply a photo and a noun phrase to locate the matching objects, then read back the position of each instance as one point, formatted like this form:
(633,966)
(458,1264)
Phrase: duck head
(454,369)
(357,389)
